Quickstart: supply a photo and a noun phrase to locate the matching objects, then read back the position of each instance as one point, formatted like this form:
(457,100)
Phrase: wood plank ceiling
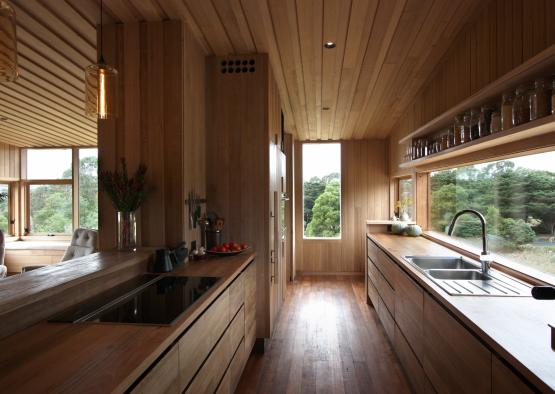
(385,50)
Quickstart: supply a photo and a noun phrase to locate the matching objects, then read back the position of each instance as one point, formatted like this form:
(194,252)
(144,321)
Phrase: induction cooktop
(147,299)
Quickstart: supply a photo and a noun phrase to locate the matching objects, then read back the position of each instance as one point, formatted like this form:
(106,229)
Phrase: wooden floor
(327,340)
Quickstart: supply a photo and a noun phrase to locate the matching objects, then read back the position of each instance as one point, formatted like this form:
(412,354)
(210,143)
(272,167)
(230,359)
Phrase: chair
(83,242)
(3,269)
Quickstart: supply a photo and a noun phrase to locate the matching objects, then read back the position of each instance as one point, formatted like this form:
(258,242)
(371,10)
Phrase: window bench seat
(26,253)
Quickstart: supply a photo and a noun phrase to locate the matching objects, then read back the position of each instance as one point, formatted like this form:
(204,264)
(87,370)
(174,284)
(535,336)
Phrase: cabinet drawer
(387,267)
(409,311)
(413,369)
(453,358)
(163,377)
(213,370)
(237,328)
(506,381)
(372,249)
(197,343)
(372,293)
(386,293)
(387,320)
(236,294)
(233,374)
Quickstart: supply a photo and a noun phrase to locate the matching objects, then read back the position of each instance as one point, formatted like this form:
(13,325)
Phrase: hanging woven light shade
(101,86)
(8,43)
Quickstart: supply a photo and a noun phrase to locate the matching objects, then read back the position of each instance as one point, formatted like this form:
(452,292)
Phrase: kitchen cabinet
(454,360)
(163,377)
(413,369)
(245,173)
(505,381)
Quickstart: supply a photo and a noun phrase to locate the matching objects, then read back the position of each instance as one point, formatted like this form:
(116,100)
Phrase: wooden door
(273,239)
(282,227)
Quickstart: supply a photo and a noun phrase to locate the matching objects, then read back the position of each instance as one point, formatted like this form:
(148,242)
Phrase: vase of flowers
(403,207)
(127,194)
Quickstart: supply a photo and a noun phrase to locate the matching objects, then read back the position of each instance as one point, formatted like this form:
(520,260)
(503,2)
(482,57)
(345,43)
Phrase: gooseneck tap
(485,258)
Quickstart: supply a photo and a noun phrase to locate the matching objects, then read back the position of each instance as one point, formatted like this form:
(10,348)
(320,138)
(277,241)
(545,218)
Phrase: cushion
(83,242)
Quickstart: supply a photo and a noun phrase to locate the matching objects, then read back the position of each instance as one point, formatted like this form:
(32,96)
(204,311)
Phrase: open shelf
(543,64)
(534,128)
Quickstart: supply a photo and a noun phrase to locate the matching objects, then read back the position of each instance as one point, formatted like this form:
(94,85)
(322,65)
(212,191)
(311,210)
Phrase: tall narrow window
(322,190)
(5,208)
(88,188)
(405,203)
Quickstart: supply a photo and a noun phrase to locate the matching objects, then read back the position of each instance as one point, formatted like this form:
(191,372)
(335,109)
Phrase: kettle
(162,261)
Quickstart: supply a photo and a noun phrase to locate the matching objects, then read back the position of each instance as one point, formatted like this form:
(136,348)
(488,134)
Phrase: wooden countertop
(101,357)
(516,328)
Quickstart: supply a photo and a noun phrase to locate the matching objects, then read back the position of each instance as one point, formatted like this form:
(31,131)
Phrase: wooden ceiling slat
(207,18)
(89,11)
(150,11)
(121,11)
(20,139)
(233,20)
(23,128)
(74,20)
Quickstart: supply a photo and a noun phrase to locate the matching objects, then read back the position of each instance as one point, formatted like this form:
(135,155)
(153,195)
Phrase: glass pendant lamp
(101,86)
(8,43)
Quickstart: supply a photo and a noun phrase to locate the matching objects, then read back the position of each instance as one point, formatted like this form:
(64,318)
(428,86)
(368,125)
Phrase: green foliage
(517,232)
(4,211)
(313,188)
(326,212)
(88,192)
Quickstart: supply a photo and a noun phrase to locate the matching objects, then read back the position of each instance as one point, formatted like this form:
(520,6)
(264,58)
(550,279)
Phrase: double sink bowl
(459,276)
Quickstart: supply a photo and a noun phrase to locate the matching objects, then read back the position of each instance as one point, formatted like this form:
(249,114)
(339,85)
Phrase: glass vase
(127,231)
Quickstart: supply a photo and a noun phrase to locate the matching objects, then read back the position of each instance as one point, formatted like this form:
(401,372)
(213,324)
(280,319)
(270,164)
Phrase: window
(516,196)
(405,201)
(322,190)
(53,177)
(5,208)
(88,188)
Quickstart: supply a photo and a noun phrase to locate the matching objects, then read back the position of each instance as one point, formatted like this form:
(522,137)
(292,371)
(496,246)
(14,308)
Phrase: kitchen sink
(440,262)
(460,276)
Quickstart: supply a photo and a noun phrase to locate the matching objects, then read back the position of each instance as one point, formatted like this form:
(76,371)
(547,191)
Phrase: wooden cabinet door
(163,377)
(454,360)
(506,381)
(409,310)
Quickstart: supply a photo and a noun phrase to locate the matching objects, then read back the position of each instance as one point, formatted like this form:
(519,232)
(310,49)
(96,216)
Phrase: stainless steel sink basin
(461,276)
(458,275)
(439,262)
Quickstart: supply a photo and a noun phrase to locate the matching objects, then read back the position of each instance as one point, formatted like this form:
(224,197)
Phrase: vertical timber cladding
(149,129)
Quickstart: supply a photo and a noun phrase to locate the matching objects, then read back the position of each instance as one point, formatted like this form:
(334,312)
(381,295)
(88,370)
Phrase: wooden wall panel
(504,34)
(9,162)
(162,83)
(364,195)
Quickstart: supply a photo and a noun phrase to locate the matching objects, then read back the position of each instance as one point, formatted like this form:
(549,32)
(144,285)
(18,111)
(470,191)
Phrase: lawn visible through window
(322,190)
(517,196)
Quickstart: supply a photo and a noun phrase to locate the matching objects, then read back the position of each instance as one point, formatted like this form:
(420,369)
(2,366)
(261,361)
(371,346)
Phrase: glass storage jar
(466,134)
(539,99)
(451,136)
(474,123)
(484,123)
(507,110)
(553,96)
(459,129)
(444,140)
(495,125)
(521,108)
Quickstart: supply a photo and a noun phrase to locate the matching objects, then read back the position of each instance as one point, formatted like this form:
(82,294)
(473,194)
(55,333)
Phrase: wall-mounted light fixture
(101,86)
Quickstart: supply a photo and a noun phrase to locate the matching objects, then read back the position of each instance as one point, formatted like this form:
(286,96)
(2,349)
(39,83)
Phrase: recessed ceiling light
(329,44)
(325,108)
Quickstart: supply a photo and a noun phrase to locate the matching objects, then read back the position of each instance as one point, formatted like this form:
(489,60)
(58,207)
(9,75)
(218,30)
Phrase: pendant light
(101,86)
(8,43)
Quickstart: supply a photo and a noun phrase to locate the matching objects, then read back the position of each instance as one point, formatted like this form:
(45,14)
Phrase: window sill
(500,263)
(37,245)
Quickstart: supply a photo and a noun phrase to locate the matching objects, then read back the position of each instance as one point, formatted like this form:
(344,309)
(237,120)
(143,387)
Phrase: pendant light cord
(101,58)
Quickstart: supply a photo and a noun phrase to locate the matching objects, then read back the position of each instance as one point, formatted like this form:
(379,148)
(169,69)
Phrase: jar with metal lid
(444,140)
(521,107)
(451,136)
(507,110)
(539,99)
(474,123)
(466,132)
(485,121)
(459,129)
(495,125)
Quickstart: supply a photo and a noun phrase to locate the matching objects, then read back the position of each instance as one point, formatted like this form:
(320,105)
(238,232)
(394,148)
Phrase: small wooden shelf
(531,129)
(543,64)
(388,222)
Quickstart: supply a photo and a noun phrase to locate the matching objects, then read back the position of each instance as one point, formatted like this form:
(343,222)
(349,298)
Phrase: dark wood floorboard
(327,340)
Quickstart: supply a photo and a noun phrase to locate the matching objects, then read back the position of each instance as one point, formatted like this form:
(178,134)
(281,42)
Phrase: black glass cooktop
(147,299)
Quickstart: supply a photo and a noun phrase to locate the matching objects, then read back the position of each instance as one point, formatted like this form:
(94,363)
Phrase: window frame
(11,219)
(340,237)
(398,194)
(423,194)
(25,225)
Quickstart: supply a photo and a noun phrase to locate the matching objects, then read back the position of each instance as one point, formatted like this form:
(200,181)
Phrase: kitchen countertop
(102,357)
(516,328)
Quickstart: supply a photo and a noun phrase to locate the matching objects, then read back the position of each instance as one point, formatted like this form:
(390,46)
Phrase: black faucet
(485,256)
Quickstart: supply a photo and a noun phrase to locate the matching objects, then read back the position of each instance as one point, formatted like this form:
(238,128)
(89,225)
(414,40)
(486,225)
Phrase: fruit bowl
(228,249)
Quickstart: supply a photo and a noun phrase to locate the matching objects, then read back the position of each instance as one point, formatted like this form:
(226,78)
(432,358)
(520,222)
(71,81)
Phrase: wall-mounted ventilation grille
(238,66)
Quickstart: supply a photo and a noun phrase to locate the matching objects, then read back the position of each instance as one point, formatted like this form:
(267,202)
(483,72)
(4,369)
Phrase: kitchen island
(205,348)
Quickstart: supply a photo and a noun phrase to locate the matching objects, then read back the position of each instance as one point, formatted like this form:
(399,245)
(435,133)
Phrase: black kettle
(162,261)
